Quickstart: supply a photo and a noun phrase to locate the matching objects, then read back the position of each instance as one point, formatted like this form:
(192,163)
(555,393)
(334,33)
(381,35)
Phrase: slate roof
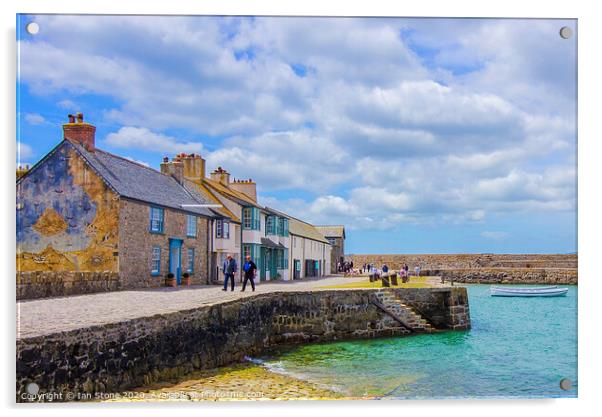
(133,180)
(199,190)
(332,231)
(300,228)
(237,196)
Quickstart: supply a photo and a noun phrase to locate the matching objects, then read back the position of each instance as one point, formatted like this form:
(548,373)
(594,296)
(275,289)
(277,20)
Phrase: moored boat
(550,291)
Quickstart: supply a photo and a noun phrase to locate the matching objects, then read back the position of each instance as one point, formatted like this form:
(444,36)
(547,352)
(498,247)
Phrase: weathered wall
(123,355)
(66,217)
(40,284)
(565,276)
(466,261)
(136,243)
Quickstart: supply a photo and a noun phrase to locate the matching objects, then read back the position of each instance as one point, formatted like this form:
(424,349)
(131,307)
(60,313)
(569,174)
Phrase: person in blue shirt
(230,269)
(249,268)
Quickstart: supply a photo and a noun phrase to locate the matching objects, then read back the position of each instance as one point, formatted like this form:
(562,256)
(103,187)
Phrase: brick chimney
(222,176)
(80,132)
(194,166)
(247,187)
(175,168)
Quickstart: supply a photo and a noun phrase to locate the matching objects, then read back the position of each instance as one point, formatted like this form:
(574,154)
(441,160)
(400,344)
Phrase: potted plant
(186,279)
(170,280)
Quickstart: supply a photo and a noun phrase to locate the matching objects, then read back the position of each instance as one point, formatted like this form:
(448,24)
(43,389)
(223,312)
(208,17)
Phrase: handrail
(392,315)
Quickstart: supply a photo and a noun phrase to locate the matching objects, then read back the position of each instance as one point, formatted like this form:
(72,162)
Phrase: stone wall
(564,276)
(40,284)
(136,243)
(119,356)
(466,261)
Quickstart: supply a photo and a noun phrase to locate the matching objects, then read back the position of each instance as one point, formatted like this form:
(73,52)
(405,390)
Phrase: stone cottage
(89,221)
(336,236)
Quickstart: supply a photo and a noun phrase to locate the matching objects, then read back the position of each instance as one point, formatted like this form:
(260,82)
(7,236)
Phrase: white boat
(551,291)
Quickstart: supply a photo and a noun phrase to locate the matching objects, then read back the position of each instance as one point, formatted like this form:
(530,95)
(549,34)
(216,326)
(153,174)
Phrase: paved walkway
(51,315)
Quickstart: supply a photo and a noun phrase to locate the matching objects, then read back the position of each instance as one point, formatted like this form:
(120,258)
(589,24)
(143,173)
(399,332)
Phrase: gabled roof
(300,228)
(237,196)
(133,180)
(198,188)
(332,231)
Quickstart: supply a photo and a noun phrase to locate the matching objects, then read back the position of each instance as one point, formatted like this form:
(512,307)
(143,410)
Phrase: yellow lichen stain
(102,231)
(47,260)
(50,223)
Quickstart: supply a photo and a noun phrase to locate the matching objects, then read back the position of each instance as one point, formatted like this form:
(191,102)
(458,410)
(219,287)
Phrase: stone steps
(393,304)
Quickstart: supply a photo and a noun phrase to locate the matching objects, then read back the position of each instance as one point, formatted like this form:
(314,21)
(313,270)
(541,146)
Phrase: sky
(418,135)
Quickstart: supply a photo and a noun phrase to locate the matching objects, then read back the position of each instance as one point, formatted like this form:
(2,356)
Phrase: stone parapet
(138,352)
(41,284)
(545,276)
(465,261)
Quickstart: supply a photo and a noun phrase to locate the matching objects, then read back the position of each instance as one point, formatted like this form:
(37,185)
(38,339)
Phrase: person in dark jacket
(230,269)
(249,269)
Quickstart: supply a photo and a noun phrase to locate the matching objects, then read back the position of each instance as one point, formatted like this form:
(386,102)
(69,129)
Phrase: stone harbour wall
(40,284)
(466,261)
(564,276)
(79,364)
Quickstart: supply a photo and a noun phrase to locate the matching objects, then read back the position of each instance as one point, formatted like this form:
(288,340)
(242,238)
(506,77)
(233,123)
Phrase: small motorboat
(550,291)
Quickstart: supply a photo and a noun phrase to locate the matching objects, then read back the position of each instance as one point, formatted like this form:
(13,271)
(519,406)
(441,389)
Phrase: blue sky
(419,135)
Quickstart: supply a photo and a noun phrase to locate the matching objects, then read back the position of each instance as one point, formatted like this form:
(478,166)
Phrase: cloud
(375,122)
(34,119)
(24,151)
(67,105)
(494,235)
(142,138)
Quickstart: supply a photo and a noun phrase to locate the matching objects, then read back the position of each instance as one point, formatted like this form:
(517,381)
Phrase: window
(190,225)
(222,229)
(270,226)
(331,240)
(251,218)
(156,220)
(156,261)
(285,228)
(251,250)
(190,260)
(283,259)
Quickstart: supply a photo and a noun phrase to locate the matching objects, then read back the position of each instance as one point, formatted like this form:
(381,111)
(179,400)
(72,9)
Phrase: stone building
(336,236)
(88,221)
(310,251)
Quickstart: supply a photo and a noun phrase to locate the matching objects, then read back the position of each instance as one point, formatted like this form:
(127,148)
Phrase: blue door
(175,258)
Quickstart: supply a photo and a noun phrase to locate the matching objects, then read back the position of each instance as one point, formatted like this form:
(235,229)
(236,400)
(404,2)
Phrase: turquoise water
(517,347)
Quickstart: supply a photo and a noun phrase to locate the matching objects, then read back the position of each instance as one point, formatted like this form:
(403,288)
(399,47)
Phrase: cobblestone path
(51,315)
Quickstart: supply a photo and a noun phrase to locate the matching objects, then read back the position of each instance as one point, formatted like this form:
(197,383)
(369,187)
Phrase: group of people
(404,271)
(230,268)
(345,267)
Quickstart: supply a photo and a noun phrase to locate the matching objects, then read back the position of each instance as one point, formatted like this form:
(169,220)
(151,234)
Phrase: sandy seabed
(240,382)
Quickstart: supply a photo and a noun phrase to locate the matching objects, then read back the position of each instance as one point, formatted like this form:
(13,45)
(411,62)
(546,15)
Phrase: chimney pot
(80,132)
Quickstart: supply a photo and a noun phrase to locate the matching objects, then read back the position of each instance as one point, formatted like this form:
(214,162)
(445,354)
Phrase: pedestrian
(385,269)
(230,269)
(417,271)
(250,269)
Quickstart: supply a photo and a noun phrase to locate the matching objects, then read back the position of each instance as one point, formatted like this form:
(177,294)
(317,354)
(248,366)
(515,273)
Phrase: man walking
(230,269)
(249,267)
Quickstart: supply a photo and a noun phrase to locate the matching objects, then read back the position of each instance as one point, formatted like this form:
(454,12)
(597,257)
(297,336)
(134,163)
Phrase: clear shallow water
(517,347)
